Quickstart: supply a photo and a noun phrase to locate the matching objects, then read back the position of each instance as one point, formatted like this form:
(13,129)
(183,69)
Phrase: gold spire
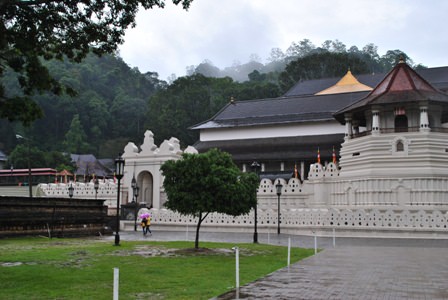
(346,84)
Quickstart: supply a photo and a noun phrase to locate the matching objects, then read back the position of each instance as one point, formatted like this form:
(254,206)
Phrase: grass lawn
(40,268)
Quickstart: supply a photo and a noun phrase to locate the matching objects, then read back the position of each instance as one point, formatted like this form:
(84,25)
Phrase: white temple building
(392,175)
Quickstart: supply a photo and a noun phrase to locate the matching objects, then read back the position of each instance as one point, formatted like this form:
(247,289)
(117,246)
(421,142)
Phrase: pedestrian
(148,224)
(143,224)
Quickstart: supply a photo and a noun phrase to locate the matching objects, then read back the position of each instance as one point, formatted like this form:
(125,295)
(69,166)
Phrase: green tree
(19,157)
(257,90)
(110,94)
(75,138)
(256,76)
(37,29)
(208,69)
(59,161)
(392,57)
(334,46)
(370,55)
(300,49)
(321,65)
(193,99)
(276,55)
(187,101)
(199,184)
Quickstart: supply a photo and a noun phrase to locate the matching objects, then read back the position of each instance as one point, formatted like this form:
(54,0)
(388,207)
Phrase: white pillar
(375,122)
(282,166)
(348,127)
(302,171)
(424,121)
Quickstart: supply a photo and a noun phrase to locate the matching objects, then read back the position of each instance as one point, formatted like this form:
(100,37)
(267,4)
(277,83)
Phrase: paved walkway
(357,268)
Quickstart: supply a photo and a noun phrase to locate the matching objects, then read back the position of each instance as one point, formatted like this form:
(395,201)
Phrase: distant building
(88,166)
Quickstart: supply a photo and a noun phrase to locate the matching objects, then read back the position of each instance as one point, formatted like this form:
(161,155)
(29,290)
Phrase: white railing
(402,220)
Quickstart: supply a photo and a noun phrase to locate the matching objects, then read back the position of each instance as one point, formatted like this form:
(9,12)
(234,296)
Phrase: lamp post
(96,186)
(30,177)
(134,200)
(279,187)
(70,190)
(256,168)
(119,170)
(136,206)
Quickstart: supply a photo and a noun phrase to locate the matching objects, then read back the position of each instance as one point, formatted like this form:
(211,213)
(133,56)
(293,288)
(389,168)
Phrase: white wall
(303,129)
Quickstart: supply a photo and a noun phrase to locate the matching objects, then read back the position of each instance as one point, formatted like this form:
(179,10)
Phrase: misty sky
(224,31)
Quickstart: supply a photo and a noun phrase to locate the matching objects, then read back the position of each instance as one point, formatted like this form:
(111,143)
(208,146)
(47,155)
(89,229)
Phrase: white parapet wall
(107,191)
(360,222)
(377,207)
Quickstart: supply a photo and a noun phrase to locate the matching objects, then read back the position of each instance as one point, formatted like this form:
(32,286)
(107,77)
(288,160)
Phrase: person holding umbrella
(146,223)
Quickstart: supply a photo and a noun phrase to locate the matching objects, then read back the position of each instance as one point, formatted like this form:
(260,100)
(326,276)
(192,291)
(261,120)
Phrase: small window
(400,146)
(356,154)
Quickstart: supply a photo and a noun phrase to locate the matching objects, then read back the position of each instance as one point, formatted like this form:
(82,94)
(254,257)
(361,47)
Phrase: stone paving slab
(357,268)
(357,273)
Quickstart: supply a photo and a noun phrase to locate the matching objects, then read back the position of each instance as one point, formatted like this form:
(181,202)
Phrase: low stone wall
(53,217)
(360,222)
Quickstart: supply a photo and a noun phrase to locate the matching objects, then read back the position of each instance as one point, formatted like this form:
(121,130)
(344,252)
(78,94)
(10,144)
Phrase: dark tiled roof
(438,77)
(280,110)
(87,164)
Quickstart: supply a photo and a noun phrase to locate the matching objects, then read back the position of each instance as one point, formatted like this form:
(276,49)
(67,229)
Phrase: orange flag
(318,155)
(296,173)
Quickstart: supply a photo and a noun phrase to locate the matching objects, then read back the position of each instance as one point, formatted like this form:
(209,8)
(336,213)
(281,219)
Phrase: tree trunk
(196,241)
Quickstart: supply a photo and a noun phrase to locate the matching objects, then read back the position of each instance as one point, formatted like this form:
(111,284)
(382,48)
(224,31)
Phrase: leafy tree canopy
(193,99)
(321,65)
(110,94)
(31,30)
(199,184)
(18,159)
(75,139)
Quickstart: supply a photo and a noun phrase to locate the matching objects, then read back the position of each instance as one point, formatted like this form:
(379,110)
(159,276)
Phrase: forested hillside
(109,107)
(114,104)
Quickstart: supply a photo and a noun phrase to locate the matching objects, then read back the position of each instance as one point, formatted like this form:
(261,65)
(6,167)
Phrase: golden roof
(347,84)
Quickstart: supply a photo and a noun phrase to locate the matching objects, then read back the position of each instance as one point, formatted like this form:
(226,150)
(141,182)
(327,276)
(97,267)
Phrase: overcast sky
(224,31)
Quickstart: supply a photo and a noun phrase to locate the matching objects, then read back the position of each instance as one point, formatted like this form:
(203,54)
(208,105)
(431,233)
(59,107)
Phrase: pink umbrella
(144,216)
